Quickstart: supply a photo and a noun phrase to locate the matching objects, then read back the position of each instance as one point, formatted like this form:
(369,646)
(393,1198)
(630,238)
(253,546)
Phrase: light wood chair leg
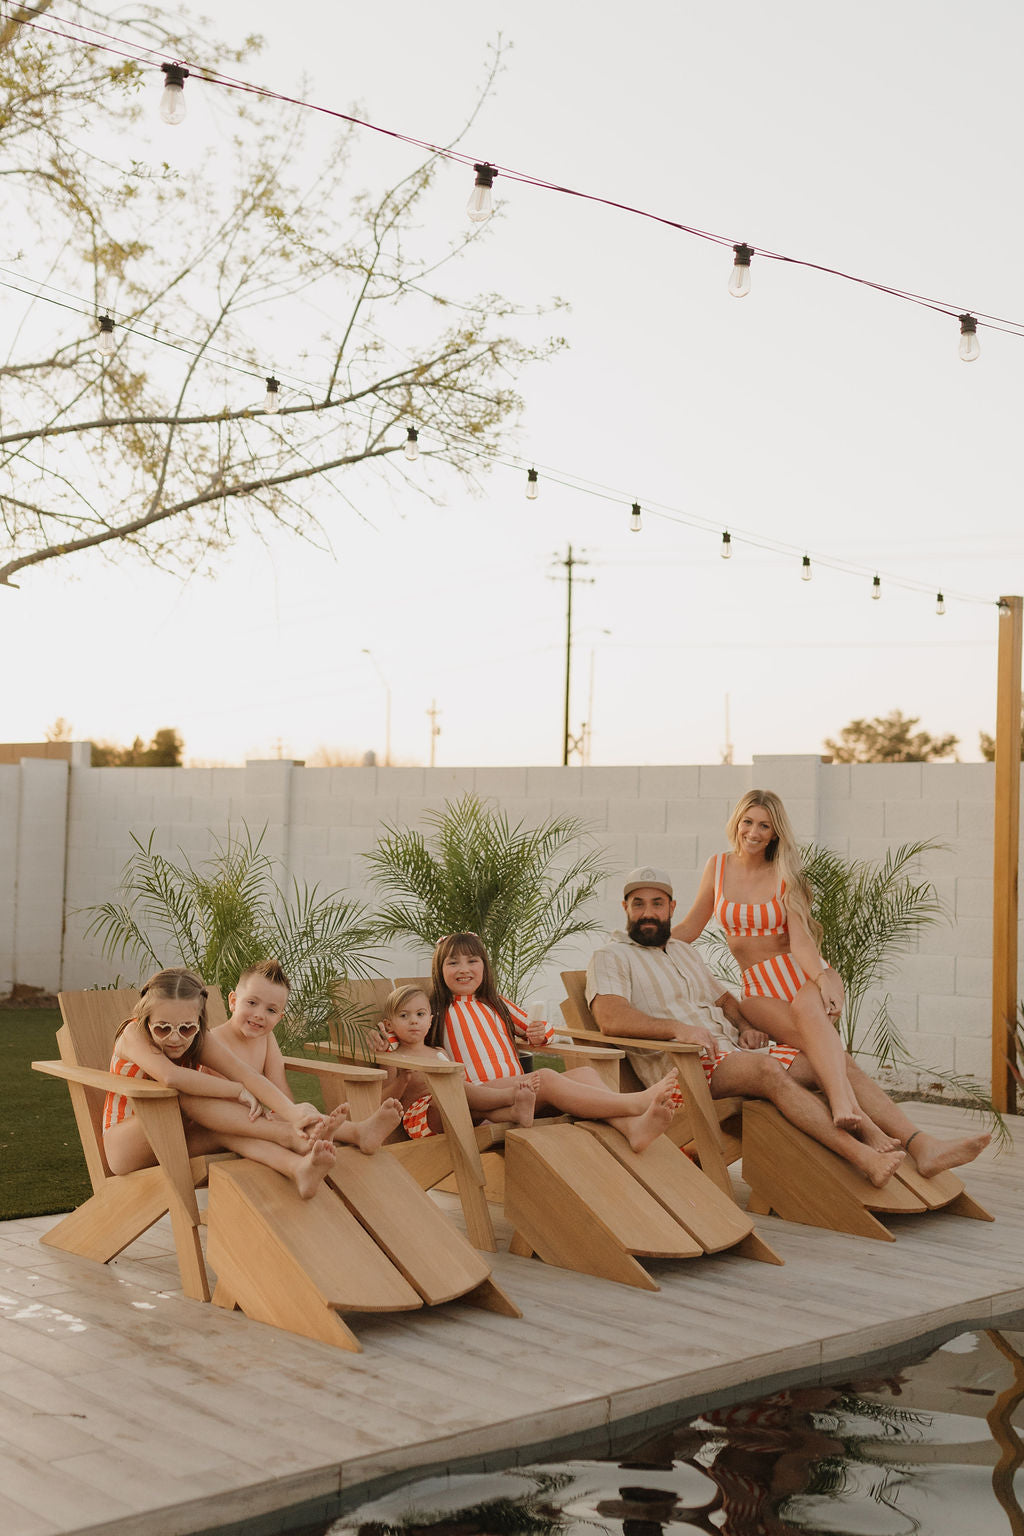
(704,1122)
(161,1121)
(450,1098)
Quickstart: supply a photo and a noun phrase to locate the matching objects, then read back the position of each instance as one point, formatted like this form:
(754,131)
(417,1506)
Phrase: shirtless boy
(257,1006)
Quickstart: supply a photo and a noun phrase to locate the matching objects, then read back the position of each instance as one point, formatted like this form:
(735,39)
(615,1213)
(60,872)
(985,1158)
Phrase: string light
(940,604)
(273,401)
(532,489)
(727,545)
(970,347)
(172,102)
(876,588)
(412,445)
(805,568)
(105,339)
(1004,609)
(634,521)
(739,277)
(481,199)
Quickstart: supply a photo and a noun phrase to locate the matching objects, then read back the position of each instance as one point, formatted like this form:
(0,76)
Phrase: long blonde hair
(783,852)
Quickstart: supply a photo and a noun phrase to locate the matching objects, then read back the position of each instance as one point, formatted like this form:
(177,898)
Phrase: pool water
(930,1445)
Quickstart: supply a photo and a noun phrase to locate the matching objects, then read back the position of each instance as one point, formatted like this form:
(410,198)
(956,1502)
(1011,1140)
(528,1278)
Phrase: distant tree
(890,739)
(164,751)
(987,743)
(60,730)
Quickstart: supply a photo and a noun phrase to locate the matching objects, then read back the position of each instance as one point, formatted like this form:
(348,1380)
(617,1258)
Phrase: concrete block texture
(501,783)
(636,815)
(669,783)
(955,1016)
(674,852)
(613,783)
(973,1058)
(885,781)
(792,777)
(973,897)
(850,819)
(915,821)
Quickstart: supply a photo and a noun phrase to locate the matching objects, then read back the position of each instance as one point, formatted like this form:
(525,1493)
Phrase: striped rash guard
(475,1036)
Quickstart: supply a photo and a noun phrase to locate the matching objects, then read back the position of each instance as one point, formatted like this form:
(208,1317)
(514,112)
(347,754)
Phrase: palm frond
(523,889)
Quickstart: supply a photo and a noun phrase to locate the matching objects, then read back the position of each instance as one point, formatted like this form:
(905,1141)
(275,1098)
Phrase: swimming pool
(930,1443)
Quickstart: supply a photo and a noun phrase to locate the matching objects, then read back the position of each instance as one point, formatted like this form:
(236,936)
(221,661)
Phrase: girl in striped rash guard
(479,1028)
(759,895)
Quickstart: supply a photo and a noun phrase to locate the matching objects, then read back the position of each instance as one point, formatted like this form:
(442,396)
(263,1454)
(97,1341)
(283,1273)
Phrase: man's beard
(649,932)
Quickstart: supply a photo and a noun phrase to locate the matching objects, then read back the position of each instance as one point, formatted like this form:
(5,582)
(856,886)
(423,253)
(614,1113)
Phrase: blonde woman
(759,895)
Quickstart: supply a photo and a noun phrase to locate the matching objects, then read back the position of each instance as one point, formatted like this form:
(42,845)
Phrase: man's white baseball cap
(657,879)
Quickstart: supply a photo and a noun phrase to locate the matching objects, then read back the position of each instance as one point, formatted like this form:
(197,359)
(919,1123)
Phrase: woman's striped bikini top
(749,919)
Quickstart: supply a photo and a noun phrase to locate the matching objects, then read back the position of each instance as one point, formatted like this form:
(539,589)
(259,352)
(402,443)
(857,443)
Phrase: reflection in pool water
(930,1448)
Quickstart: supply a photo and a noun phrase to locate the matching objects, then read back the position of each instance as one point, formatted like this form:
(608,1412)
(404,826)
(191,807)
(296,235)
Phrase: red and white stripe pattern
(117,1106)
(475,1036)
(749,919)
(778,976)
(414,1119)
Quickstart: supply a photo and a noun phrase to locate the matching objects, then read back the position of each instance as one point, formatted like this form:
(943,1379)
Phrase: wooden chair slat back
(216,1012)
(425,983)
(575,983)
(86,1039)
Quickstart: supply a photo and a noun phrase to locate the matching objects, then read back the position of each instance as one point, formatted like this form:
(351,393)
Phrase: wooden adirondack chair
(576,1194)
(123,1206)
(788,1172)
(371,1242)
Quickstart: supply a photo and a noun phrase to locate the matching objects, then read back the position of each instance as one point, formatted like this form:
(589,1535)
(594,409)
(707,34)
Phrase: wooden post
(1007,854)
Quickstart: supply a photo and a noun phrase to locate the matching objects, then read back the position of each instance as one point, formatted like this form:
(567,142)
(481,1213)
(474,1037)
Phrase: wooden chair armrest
(347,1071)
(415,1064)
(595,1052)
(631,1043)
(107,1082)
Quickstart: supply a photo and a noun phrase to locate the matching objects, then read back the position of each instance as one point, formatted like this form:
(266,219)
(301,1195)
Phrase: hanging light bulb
(481,199)
(940,604)
(172,102)
(726,545)
(876,587)
(634,521)
(1004,608)
(412,445)
(970,346)
(105,339)
(739,277)
(273,401)
(805,568)
(532,489)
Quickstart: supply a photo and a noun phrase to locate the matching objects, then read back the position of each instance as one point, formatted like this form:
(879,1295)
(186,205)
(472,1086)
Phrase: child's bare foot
(523,1104)
(332,1123)
(932,1155)
(314,1167)
(877,1167)
(874,1137)
(641,1130)
(372,1132)
(646,1099)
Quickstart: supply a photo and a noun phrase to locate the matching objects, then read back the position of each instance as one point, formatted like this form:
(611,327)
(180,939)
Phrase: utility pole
(569,564)
(435,729)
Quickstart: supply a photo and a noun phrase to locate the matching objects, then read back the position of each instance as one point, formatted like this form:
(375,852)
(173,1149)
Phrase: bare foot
(523,1104)
(874,1137)
(372,1132)
(332,1123)
(641,1130)
(933,1155)
(648,1097)
(877,1167)
(314,1167)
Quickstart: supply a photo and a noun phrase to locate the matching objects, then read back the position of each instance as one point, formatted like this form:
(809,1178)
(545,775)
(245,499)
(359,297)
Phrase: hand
(697,1034)
(307,1117)
(251,1102)
(752,1039)
(377,1039)
(830,986)
(537,1032)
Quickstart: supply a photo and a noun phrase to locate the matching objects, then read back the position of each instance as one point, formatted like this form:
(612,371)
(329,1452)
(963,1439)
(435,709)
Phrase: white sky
(883,139)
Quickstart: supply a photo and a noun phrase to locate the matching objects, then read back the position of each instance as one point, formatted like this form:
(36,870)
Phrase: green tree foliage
(987,743)
(164,751)
(230,912)
(165,449)
(890,738)
(524,890)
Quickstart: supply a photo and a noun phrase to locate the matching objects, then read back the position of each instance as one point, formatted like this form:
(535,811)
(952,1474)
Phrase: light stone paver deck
(126,1408)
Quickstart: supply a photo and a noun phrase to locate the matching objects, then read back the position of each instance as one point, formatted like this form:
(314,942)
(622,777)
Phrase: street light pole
(387,706)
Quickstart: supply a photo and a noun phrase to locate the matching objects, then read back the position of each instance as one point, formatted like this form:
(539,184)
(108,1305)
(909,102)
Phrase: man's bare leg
(760,1077)
(931,1154)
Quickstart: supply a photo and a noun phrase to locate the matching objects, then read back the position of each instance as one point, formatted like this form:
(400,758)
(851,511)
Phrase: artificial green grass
(40,1153)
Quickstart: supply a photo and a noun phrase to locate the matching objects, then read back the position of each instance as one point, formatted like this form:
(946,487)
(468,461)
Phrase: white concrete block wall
(63,850)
